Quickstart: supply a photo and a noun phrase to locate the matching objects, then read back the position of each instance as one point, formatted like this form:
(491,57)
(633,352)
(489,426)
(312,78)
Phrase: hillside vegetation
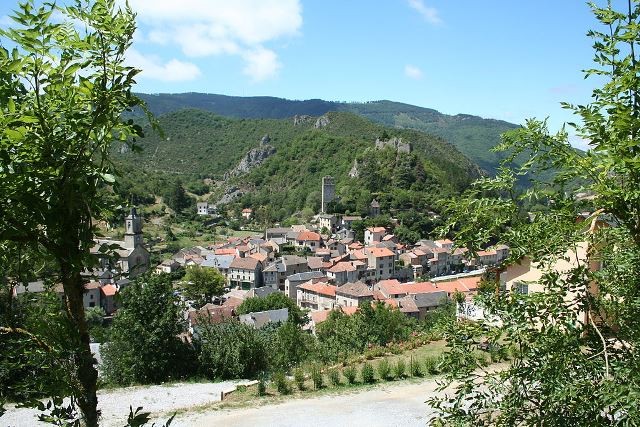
(199,145)
(472,135)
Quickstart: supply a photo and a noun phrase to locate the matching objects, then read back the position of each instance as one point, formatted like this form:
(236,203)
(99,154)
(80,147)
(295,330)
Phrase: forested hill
(472,135)
(198,145)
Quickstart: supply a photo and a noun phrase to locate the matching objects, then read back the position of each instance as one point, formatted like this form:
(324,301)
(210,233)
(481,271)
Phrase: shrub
(334,377)
(384,370)
(400,368)
(415,368)
(316,377)
(262,387)
(350,374)
(282,385)
(431,365)
(367,373)
(482,359)
(298,376)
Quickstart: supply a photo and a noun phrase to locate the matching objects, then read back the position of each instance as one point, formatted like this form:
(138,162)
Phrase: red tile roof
(444,241)
(321,288)
(92,285)
(342,267)
(321,316)
(308,236)
(226,251)
(244,263)
(380,252)
(389,288)
(376,229)
(109,290)
(259,256)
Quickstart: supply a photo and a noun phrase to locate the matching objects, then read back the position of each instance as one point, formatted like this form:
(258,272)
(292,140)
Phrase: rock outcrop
(230,194)
(298,120)
(253,158)
(396,143)
(321,122)
(354,172)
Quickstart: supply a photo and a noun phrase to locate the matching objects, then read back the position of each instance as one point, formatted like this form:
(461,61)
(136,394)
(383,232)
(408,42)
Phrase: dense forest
(197,148)
(472,135)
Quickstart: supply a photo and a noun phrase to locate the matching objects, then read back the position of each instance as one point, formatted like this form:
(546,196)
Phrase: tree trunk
(86,373)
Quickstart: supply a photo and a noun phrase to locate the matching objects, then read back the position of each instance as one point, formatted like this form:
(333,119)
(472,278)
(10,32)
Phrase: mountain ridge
(473,135)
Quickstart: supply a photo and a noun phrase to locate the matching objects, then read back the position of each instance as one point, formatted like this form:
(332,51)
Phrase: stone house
(342,273)
(308,239)
(327,221)
(347,221)
(353,294)
(292,282)
(373,235)
(382,262)
(91,296)
(245,273)
(316,296)
(108,299)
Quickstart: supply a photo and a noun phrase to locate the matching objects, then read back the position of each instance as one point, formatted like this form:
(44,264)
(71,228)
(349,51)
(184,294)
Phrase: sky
(502,59)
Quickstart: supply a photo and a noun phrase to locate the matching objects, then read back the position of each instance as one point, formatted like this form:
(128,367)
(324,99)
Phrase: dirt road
(389,404)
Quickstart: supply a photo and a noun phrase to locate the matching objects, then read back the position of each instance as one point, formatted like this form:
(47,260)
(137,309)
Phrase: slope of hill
(199,145)
(472,135)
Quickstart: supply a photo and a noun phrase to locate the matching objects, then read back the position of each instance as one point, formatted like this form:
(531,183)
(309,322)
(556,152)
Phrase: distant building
(327,221)
(132,256)
(247,213)
(374,208)
(205,208)
(328,192)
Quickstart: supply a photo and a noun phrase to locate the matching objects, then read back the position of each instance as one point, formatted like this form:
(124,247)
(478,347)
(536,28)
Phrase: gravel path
(159,399)
(390,404)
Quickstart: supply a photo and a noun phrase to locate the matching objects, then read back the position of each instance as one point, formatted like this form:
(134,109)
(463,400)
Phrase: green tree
(144,346)
(575,345)
(232,350)
(63,88)
(176,197)
(201,284)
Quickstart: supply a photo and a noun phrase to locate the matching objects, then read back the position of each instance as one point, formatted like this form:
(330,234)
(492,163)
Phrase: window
(521,288)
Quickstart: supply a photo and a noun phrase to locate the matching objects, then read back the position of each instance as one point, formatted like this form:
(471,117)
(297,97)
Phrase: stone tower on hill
(328,192)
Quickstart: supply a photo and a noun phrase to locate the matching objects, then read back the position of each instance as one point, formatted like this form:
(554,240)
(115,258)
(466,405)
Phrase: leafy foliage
(576,342)
(367,373)
(144,346)
(201,284)
(62,94)
(232,350)
(341,335)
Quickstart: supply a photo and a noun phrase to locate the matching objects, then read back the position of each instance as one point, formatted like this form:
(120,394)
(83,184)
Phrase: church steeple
(132,230)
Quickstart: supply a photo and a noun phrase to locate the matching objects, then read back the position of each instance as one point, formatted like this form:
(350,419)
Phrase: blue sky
(504,59)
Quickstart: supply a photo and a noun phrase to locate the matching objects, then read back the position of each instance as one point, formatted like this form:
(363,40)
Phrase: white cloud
(202,28)
(262,64)
(430,14)
(413,72)
(171,71)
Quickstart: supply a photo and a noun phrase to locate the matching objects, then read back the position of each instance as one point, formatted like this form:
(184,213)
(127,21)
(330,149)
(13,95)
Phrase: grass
(249,396)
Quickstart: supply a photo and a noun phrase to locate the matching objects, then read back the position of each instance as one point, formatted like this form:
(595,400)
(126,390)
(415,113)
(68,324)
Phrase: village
(320,266)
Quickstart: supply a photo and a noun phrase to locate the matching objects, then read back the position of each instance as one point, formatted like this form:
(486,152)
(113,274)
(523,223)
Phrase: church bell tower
(132,230)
